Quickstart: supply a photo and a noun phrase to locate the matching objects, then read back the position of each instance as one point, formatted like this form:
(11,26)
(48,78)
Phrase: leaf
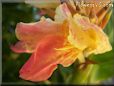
(102,72)
(95,73)
(104,69)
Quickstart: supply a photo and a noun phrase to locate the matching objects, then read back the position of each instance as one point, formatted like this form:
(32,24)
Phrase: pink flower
(61,41)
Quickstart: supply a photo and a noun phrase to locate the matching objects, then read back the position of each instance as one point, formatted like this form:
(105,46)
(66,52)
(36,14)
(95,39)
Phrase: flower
(62,41)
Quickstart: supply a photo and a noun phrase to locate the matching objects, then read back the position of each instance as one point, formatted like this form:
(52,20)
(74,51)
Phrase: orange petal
(31,33)
(105,20)
(44,61)
(69,57)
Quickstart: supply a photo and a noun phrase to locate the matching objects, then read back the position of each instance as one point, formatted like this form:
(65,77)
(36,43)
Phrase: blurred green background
(13,13)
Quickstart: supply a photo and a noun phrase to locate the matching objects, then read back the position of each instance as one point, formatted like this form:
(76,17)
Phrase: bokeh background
(13,13)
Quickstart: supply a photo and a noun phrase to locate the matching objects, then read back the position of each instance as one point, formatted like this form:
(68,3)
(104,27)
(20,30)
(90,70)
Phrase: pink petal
(20,47)
(44,61)
(31,33)
(62,13)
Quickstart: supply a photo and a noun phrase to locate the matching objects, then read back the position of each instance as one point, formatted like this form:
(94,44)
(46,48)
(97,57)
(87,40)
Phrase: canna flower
(70,36)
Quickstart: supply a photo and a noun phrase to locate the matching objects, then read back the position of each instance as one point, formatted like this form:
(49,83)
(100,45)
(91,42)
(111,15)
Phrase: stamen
(65,48)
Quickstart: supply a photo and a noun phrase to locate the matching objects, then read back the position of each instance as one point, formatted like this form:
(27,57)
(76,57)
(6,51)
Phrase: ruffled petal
(77,35)
(44,61)
(103,44)
(31,33)
(86,36)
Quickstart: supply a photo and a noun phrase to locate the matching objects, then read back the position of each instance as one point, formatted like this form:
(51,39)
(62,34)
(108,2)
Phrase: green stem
(82,76)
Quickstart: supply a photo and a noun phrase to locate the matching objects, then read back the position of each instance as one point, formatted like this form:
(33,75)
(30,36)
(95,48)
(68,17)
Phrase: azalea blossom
(69,37)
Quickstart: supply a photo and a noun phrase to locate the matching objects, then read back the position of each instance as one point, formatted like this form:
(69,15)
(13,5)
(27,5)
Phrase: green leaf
(104,68)
(95,73)
(102,72)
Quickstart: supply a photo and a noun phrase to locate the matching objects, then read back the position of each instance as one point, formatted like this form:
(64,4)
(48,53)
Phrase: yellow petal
(78,33)
(87,36)
(69,57)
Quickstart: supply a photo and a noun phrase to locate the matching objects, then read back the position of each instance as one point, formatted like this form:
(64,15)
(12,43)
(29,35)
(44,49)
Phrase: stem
(82,76)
